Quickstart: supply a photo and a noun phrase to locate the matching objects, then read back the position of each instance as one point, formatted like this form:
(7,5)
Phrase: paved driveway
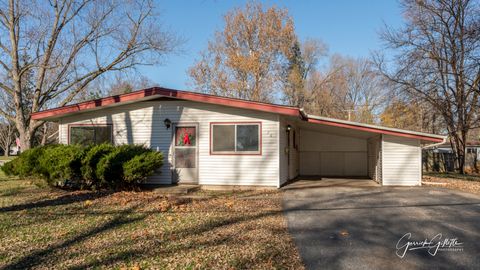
(359,228)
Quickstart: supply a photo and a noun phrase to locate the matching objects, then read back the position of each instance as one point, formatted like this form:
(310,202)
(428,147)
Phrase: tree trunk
(26,139)
(461,161)
(44,135)
(459,139)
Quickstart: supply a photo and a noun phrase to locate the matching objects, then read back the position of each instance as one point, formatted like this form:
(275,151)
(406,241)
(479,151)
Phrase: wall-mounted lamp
(167,123)
(289,127)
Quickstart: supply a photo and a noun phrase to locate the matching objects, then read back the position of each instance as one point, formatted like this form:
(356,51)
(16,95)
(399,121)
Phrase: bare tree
(7,136)
(50,51)
(247,58)
(407,112)
(348,89)
(302,64)
(438,60)
(127,83)
(47,134)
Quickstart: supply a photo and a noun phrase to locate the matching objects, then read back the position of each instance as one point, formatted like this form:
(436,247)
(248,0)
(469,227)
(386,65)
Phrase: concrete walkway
(330,182)
(360,227)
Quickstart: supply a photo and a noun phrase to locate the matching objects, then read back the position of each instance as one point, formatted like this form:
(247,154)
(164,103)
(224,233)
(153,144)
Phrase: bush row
(92,167)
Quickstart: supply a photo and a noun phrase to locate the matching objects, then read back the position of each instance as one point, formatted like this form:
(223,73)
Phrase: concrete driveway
(341,227)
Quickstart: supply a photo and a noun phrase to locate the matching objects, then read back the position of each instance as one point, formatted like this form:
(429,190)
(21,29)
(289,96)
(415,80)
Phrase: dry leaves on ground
(463,185)
(45,229)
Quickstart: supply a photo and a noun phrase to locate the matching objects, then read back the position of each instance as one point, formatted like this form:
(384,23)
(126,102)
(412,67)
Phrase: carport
(325,148)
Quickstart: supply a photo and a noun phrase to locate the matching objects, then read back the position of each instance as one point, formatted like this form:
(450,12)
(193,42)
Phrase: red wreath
(186,139)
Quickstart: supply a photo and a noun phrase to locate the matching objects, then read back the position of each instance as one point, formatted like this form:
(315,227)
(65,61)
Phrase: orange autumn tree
(246,59)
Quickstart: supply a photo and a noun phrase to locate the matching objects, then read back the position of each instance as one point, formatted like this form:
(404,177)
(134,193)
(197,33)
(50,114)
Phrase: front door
(185,157)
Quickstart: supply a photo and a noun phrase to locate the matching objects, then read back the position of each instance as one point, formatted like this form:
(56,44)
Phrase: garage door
(332,155)
(333,163)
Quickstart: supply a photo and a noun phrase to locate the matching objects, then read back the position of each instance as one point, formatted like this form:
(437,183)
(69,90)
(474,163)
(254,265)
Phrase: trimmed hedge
(25,166)
(90,161)
(60,162)
(135,169)
(110,167)
(99,166)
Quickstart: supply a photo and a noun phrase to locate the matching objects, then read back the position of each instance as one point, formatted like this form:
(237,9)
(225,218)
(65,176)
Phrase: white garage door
(332,155)
(402,161)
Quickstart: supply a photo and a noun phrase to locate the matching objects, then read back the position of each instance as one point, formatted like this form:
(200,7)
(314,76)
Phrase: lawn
(466,177)
(464,182)
(7,158)
(46,228)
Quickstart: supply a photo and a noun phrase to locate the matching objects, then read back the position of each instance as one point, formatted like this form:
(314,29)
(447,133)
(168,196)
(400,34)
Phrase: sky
(348,27)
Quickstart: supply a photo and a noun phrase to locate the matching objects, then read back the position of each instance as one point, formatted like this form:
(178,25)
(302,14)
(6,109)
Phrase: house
(212,140)
(473,147)
(441,158)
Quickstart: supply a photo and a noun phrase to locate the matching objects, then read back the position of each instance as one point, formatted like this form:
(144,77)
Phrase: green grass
(7,158)
(2,174)
(54,229)
(467,177)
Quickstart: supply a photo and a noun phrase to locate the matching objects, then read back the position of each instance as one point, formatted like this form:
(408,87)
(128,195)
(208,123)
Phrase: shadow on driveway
(359,228)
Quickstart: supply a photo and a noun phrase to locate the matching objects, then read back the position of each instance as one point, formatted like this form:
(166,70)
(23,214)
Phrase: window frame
(90,125)
(235,152)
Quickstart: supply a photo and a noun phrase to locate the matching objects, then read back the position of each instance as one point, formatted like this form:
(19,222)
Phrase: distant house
(212,140)
(472,148)
(441,158)
(14,150)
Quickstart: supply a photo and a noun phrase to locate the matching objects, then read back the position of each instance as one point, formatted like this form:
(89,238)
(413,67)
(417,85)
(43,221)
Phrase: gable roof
(159,92)
(156,92)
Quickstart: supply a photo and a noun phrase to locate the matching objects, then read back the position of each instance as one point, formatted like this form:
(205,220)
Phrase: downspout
(303,114)
(436,144)
(427,147)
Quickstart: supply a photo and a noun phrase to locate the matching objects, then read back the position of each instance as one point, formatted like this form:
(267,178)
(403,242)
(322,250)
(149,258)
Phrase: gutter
(303,114)
(436,144)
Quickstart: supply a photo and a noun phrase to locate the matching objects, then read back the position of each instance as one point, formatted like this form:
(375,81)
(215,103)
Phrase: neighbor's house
(441,158)
(212,140)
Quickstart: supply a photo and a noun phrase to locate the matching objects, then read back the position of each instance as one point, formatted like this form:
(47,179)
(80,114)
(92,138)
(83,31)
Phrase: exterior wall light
(167,123)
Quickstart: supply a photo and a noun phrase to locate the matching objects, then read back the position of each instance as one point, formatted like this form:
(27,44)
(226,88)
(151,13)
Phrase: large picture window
(235,138)
(87,135)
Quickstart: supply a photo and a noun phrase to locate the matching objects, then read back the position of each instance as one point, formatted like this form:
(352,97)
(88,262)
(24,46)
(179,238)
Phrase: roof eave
(155,92)
(376,129)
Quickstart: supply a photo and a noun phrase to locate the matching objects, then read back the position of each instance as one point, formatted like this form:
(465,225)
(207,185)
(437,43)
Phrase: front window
(87,135)
(241,138)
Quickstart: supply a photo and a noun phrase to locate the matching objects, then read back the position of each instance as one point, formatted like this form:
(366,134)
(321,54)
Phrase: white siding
(142,123)
(331,155)
(374,158)
(288,171)
(401,161)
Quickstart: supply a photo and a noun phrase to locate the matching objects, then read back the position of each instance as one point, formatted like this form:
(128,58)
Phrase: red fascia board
(190,96)
(374,130)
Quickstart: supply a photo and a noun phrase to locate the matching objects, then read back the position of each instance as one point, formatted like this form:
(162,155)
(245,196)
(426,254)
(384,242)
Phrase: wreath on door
(185,137)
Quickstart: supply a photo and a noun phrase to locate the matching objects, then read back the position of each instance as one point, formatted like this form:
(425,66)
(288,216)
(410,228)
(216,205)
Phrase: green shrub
(61,162)
(90,161)
(110,167)
(137,169)
(9,168)
(26,164)
(97,166)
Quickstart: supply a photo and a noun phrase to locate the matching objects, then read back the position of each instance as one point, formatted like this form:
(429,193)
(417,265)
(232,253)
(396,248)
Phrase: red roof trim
(374,130)
(226,101)
(191,96)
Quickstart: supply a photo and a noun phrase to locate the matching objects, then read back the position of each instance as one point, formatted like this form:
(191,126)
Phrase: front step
(172,189)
